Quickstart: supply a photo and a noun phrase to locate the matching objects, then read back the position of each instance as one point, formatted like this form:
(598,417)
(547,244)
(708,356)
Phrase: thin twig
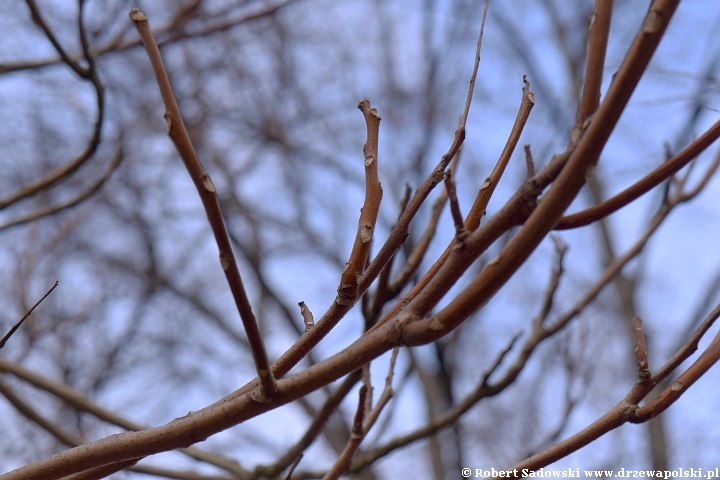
(27,314)
(642,186)
(292,467)
(91,75)
(529,162)
(460,231)
(348,289)
(316,426)
(477,211)
(598,34)
(342,464)
(180,137)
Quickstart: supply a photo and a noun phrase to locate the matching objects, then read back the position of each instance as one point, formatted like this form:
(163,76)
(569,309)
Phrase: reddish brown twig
(460,231)
(348,289)
(598,34)
(365,418)
(477,211)
(642,186)
(180,137)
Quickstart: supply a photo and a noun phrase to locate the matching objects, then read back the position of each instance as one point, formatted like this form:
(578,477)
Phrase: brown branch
(668,396)
(642,186)
(331,404)
(307,316)
(627,410)
(598,34)
(27,314)
(384,291)
(477,211)
(342,464)
(558,269)
(460,231)
(418,253)
(180,137)
(365,417)
(545,216)
(83,404)
(348,289)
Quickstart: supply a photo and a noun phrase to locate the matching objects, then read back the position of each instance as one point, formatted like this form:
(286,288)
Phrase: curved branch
(650,181)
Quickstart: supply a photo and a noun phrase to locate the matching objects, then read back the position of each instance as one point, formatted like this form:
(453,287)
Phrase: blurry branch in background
(181,26)
(53,209)
(88,74)
(179,135)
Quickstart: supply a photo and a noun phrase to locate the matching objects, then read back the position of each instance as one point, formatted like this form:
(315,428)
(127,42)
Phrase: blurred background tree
(93,194)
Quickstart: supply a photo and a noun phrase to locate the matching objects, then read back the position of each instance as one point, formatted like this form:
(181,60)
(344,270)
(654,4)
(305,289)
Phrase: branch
(365,418)
(53,209)
(179,135)
(544,217)
(331,404)
(348,289)
(27,314)
(627,410)
(90,75)
(82,404)
(598,34)
(642,186)
(477,211)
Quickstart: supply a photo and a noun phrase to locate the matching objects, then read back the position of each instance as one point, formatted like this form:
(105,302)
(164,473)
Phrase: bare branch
(348,289)
(180,137)
(27,314)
